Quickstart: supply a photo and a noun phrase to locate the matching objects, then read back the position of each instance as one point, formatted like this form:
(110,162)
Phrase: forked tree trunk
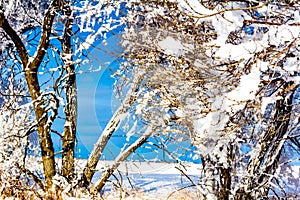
(31,68)
(121,157)
(110,128)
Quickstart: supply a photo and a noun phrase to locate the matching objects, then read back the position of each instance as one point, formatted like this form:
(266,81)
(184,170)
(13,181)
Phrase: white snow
(172,46)
(248,86)
(132,130)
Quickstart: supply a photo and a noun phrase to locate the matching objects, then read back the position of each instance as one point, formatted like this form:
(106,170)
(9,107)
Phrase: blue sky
(94,98)
(95,108)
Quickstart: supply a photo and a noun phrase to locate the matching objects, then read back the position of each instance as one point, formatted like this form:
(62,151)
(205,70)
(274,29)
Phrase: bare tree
(31,67)
(21,29)
(222,73)
(43,45)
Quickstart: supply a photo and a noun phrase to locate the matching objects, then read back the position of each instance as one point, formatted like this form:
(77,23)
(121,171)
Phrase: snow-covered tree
(224,74)
(48,41)
(227,75)
(18,132)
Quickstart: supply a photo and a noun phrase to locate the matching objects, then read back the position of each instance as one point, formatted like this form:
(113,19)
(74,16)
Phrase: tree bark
(69,136)
(279,135)
(31,68)
(44,135)
(225,187)
(270,146)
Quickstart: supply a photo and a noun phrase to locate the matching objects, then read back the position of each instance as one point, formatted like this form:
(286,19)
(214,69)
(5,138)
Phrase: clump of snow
(210,128)
(249,84)
(172,46)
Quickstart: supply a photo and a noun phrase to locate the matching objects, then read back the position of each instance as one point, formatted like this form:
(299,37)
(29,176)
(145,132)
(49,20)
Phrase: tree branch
(14,37)
(121,157)
(110,128)
(44,41)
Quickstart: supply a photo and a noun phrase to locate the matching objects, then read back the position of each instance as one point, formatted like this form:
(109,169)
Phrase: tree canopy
(222,74)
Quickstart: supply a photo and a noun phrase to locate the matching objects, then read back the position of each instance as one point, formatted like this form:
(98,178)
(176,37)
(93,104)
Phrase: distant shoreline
(146,167)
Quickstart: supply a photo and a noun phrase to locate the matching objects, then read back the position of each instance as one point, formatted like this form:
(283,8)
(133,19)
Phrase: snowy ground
(155,180)
(161,180)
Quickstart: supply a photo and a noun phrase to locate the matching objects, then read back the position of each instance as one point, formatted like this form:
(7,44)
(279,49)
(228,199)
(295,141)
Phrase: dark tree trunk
(31,68)
(277,135)
(272,144)
(70,110)
(225,179)
(44,136)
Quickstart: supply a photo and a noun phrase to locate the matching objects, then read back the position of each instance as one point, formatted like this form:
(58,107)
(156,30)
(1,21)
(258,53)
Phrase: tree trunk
(279,134)
(31,68)
(270,146)
(121,157)
(225,186)
(69,136)
(209,174)
(110,128)
(45,139)
(90,167)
